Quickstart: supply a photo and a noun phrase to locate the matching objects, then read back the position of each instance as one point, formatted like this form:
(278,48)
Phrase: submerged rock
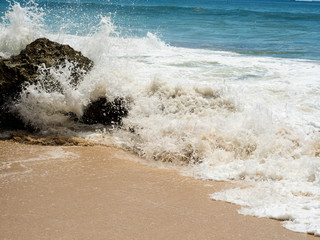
(17,71)
(105,112)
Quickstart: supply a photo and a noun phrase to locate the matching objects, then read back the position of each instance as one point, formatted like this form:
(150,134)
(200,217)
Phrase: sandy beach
(99,192)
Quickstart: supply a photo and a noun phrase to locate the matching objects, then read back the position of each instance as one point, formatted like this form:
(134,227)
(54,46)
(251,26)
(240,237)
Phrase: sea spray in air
(19,27)
(219,115)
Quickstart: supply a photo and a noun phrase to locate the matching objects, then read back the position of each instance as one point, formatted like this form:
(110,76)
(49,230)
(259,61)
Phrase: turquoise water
(289,29)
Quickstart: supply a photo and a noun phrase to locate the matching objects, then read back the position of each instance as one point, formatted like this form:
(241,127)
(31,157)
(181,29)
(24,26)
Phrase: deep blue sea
(289,29)
(219,90)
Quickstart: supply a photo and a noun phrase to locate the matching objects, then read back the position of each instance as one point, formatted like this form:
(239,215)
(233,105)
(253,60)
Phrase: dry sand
(98,192)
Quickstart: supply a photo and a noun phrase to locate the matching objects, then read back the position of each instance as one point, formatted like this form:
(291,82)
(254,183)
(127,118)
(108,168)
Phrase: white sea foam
(221,115)
(294,202)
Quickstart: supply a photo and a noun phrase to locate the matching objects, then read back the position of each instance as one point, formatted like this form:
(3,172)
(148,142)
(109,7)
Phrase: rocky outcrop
(22,69)
(42,54)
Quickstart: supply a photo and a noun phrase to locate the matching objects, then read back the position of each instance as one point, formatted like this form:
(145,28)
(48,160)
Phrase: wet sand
(99,192)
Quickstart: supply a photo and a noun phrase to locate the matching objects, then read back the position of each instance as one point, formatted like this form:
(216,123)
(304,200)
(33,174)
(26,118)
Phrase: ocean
(219,90)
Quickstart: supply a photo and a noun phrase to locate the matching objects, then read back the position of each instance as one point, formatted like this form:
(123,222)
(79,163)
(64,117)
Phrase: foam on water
(220,115)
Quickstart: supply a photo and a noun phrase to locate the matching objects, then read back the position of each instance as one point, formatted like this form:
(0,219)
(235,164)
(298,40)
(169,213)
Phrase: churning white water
(221,115)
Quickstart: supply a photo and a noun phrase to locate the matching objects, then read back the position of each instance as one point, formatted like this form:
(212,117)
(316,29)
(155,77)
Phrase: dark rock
(106,112)
(22,69)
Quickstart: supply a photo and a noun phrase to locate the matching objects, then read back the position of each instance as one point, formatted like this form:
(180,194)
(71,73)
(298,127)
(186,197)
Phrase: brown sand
(98,192)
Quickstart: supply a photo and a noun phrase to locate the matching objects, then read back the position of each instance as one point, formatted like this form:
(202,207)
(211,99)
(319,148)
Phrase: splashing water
(217,115)
(19,27)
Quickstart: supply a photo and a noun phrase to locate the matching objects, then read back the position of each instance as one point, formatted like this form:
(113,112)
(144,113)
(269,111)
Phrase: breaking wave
(216,115)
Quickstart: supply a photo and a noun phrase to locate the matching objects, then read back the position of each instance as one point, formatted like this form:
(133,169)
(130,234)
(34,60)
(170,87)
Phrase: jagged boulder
(19,70)
(23,68)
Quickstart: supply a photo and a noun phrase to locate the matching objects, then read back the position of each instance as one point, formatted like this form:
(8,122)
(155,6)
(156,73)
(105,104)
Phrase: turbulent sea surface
(221,90)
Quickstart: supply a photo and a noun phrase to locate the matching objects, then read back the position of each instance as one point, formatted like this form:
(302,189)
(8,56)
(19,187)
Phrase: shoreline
(101,192)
